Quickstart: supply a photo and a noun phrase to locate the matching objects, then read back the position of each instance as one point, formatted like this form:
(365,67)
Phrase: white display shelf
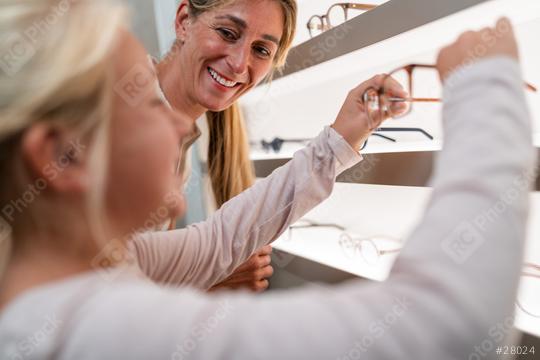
(304,100)
(383,210)
(375,146)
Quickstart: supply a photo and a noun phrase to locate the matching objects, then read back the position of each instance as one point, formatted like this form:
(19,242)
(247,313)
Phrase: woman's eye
(264,52)
(227,34)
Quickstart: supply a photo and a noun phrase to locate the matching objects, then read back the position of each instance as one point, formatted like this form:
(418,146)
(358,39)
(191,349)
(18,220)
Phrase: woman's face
(143,189)
(228,51)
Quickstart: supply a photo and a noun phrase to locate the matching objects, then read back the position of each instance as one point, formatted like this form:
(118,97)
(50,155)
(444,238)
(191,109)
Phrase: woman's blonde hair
(229,166)
(54,68)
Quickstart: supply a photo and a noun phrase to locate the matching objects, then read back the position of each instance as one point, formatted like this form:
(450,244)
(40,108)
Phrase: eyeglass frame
(277,143)
(357,241)
(525,273)
(410,70)
(325,19)
(411,99)
(396,129)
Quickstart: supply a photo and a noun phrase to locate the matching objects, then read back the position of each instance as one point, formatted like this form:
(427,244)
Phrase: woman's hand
(353,122)
(252,274)
(476,45)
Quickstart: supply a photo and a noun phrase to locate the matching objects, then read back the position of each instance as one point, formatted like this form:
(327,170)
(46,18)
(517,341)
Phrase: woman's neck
(173,85)
(38,265)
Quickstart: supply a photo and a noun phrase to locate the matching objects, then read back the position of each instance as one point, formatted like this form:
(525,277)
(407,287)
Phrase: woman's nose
(238,59)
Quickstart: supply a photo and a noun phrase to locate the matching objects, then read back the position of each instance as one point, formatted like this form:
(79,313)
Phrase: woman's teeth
(222,81)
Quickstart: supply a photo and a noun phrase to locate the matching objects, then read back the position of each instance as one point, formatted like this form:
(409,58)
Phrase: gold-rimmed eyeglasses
(336,15)
(420,81)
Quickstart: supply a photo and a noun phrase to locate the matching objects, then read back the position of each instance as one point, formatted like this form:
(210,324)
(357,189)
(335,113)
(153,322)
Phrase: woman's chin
(178,209)
(216,104)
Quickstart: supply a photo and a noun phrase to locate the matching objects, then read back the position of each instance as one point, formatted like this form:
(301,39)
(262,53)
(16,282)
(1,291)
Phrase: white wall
(153,23)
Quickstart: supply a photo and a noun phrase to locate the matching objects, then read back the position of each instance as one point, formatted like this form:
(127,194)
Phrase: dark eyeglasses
(377,131)
(277,143)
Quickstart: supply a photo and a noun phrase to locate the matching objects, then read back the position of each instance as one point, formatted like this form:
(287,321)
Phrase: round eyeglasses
(530,285)
(336,15)
(370,249)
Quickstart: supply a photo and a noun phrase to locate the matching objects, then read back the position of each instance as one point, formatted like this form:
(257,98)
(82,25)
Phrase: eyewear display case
(387,192)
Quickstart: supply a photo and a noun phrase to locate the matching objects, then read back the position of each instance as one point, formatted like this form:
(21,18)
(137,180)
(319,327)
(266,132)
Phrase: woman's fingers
(254,262)
(472,46)
(362,112)
(394,88)
(265,250)
(393,91)
(251,276)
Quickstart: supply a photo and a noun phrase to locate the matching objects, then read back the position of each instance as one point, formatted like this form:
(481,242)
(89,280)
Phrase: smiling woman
(229,166)
(81,287)
(223,49)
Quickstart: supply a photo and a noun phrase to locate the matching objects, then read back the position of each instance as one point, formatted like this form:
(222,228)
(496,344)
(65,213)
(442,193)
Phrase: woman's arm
(451,289)
(205,253)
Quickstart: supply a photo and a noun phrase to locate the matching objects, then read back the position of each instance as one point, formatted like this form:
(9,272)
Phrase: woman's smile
(222,80)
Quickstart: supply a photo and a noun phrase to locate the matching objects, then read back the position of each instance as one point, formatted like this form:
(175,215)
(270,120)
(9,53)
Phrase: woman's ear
(181,21)
(55,158)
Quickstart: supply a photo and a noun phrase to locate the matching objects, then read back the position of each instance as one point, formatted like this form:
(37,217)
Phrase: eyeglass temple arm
(400,129)
(302,226)
(391,251)
(361,6)
(384,137)
(282,141)
(379,135)
(398,99)
(295,140)
(531,87)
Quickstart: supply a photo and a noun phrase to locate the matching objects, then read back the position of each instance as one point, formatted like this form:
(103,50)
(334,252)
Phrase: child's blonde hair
(54,67)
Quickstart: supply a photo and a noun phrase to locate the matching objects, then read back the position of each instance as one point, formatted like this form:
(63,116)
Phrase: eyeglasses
(370,249)
(396,129)
(305,223)
(420,84)
(530,283)
(336,15)
(277,143)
